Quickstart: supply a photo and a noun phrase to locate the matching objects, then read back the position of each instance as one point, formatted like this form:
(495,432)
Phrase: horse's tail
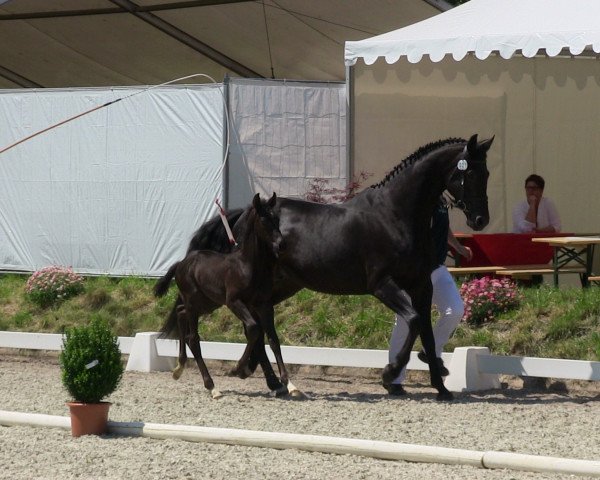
(171,327)
(162,285)
(212,235)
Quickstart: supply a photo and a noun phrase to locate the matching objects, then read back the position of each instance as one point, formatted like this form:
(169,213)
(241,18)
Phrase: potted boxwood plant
(91,369)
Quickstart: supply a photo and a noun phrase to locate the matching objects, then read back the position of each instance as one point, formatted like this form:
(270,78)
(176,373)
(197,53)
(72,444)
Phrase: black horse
(378,242)
(243,281)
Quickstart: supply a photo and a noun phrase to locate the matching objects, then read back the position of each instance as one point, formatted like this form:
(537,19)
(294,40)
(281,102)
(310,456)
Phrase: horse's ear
(485,145)
(256,203)
(472,145)
(272,200)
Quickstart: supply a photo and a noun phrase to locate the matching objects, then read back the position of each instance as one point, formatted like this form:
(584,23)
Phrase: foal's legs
(253,332)
(193,341)
(267,319)
(182,325)
(259,355)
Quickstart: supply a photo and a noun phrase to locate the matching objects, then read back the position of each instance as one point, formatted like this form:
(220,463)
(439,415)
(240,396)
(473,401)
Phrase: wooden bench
(518,271)
(594,278)
(466,271)
(526,271)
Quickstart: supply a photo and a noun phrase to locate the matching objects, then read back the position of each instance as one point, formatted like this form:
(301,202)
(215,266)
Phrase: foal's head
(264,224)
(468,183)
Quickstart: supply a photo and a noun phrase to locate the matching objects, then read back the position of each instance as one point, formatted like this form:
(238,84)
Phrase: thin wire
(98,107)
(268,39)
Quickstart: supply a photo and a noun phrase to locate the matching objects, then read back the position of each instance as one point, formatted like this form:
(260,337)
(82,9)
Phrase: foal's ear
(272,201)
(256,203)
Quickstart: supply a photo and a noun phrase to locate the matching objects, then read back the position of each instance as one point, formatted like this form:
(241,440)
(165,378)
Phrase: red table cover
(507,249)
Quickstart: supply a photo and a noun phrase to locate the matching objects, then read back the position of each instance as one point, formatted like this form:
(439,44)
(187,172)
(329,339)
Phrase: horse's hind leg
(423,308)
(183,326)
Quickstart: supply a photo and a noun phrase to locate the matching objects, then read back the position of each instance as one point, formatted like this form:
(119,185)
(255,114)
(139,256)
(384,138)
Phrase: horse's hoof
(177,373)
(281,391)
(274,386)
(388,375)
(214,393)
(297,394)
(445,396)
(395,390)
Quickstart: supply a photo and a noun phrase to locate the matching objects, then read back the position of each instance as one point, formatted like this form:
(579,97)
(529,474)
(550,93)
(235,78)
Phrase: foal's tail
(171,327)
(162,286)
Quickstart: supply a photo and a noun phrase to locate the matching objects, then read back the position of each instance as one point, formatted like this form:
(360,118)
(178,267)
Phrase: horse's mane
(250,218)
(417,155)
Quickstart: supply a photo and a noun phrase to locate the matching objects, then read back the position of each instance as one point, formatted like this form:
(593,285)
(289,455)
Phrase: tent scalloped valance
(485,26)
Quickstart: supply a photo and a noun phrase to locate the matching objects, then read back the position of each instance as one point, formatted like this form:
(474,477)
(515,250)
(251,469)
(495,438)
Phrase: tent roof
(70,43)
(486,26)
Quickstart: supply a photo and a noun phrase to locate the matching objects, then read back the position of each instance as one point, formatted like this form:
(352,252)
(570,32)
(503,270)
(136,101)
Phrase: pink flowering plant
(486,297)
(53,284)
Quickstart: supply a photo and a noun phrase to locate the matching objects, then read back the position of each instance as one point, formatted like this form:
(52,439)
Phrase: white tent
(523,70)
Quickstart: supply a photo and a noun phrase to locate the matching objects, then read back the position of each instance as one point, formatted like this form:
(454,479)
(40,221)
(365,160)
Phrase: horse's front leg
(252,331)
(259,356)
(398,301)
(421,301)
(267,320)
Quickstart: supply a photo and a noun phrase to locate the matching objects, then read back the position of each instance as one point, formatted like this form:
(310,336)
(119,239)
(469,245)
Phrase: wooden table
(569,252)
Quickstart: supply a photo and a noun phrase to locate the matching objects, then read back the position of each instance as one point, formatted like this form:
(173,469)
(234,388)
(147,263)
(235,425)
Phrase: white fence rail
(471,368)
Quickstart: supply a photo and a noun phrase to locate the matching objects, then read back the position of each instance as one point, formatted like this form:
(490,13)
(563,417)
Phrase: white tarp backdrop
(117,191)
(121,190)
(284,135)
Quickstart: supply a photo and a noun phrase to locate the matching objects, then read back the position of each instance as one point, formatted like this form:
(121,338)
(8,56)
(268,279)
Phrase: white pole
(318,443)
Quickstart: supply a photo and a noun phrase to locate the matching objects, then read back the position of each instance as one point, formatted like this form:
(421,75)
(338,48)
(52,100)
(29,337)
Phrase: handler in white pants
(446,298)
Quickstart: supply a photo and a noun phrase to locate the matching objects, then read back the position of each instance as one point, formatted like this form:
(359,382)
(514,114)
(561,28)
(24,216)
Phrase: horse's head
(468,182)
(267,227)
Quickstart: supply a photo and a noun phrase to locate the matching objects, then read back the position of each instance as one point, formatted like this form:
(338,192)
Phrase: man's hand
(466,252)
(533,200)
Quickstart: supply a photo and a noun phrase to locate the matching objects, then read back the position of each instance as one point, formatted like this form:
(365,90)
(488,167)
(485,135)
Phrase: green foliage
(91,362)
(551,323)
(53,284)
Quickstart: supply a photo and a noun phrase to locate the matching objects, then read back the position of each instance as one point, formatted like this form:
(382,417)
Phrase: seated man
(537,213)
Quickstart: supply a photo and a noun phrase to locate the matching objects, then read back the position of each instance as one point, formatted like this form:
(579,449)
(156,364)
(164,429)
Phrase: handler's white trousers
(449,304)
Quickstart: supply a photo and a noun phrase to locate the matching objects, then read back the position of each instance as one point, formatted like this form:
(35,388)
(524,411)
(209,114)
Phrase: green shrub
(52,284)
(91,362)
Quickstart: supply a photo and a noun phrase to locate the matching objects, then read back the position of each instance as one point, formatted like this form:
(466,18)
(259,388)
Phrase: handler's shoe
(443,370)
(395,389)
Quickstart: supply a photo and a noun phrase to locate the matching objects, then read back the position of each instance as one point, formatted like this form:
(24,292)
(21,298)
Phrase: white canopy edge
(485,26)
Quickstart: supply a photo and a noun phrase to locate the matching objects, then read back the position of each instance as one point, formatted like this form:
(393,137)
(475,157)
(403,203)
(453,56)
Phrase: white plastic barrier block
(144,357)
(465,375)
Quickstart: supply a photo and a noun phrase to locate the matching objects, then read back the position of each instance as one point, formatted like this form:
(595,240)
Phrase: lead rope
(226,223)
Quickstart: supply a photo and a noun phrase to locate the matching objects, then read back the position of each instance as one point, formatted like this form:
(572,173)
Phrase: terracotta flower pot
(88,418)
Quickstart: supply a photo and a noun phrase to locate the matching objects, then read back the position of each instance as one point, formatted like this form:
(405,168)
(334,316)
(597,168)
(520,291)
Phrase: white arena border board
(324,444)
(471,368)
